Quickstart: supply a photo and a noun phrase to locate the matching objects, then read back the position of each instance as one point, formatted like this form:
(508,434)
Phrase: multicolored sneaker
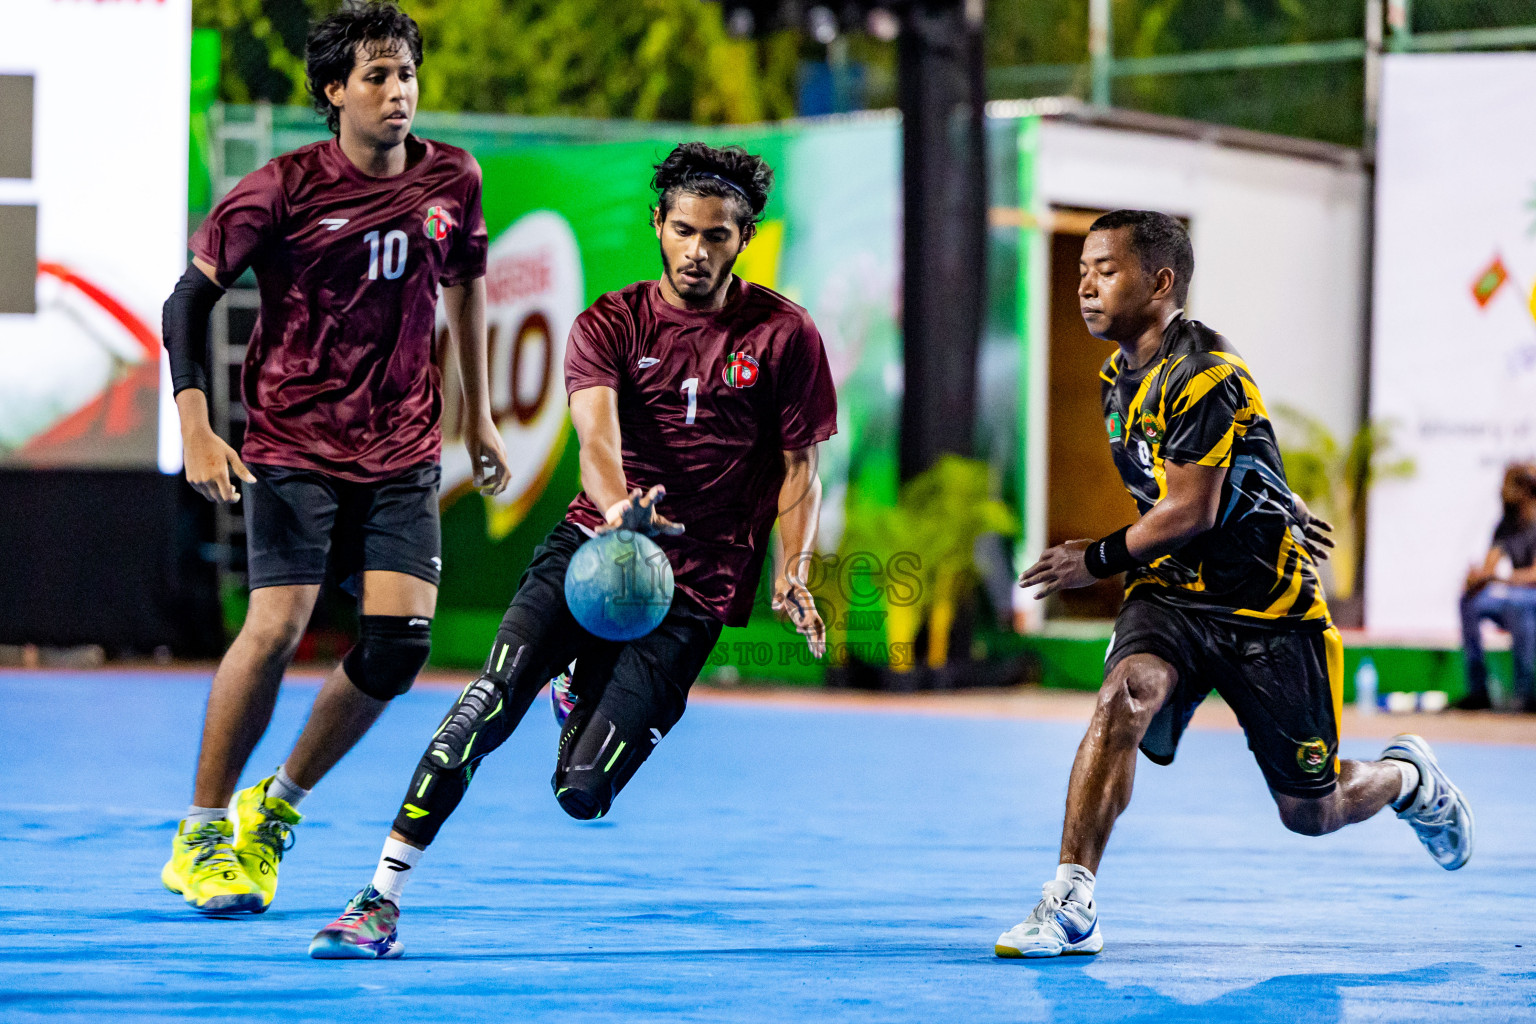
(1058,926)
(1437,812)
(263,833)
(560,698)
(204,871)
(367,930)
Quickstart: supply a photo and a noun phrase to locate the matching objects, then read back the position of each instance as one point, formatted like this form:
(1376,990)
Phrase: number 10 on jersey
(394,254)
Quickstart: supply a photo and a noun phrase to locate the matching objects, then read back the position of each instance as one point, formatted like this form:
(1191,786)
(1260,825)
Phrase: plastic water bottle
(1365,687)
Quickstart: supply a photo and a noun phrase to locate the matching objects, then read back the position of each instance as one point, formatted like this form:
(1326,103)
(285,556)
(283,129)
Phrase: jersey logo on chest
(438,223)
(741,370)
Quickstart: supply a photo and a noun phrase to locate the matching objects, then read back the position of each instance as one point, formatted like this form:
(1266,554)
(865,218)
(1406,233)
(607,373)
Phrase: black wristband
(1109,556)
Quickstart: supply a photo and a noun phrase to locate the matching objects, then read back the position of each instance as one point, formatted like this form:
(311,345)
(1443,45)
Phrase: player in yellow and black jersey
(1221,592)
(1195,403)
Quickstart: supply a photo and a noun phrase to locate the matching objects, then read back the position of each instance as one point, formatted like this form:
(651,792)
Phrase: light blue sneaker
(1058,926)
(1438,812)
(560,699)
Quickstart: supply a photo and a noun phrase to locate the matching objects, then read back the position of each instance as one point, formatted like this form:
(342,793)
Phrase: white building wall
(1278,248)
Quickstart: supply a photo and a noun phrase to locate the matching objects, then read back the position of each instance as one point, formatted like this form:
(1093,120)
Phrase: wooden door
(1084,496)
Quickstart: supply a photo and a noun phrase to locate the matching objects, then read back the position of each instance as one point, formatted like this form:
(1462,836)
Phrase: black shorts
(629,695)
(1285,686)
(299,521)
(641,684)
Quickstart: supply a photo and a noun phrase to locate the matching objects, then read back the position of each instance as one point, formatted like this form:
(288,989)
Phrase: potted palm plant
(924,549)
(1334,480)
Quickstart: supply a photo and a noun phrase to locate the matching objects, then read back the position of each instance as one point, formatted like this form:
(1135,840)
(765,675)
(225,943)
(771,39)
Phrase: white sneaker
(1438,812)
(1058,926)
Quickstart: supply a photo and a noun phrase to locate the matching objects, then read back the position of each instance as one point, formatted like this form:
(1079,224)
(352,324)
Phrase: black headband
(725,181)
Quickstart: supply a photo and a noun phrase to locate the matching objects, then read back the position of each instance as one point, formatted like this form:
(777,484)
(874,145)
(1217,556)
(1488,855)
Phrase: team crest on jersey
(741,370)
(1150,428)
(1312,756)
(437,224)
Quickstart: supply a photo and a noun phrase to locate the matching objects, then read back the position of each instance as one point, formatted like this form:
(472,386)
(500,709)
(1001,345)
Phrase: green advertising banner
(204,93)
(570,221)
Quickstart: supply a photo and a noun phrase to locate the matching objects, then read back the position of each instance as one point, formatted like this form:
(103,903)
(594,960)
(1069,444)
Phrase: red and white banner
(81,377)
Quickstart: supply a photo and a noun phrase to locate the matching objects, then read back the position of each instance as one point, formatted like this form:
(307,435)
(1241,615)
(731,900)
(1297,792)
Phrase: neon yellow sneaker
(203,870)
(263,833)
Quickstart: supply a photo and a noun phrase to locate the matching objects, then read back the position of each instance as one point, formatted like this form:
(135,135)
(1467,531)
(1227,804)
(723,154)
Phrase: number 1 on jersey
(394,254)
(691,385)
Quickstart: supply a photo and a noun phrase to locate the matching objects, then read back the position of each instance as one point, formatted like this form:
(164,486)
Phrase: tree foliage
(1322,101)
(674,60)
(1056,31)
(646,59)
(1039,32)
(1334,478)
(262,44)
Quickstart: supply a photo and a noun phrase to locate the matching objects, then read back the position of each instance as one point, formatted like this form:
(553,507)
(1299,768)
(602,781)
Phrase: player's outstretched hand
(793,598)
(209,462)
(1062,567)
(1317,534)
(637,513)
(487,457)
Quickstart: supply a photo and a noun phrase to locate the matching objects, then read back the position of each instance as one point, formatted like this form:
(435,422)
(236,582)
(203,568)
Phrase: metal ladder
(239,147)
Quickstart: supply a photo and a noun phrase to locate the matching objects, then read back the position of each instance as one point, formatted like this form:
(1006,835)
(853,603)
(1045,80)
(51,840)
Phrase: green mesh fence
(1466,15)
(1294,68)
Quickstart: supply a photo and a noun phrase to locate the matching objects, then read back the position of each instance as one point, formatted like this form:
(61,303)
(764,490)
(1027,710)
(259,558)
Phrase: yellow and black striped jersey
(1196,402)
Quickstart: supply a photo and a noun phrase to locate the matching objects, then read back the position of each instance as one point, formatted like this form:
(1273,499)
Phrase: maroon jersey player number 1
(708,399)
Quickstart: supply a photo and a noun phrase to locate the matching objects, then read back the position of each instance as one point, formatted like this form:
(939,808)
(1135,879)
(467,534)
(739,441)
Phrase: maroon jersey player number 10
(341,375)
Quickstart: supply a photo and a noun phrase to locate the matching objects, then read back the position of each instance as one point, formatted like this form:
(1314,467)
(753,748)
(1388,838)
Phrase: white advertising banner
(534,293)
(1454,339)
(93,207)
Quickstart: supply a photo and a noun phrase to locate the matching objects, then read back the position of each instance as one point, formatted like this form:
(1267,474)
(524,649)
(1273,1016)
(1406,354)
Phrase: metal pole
(941,90)
(1399,20)
(1373,43)
(1100,49)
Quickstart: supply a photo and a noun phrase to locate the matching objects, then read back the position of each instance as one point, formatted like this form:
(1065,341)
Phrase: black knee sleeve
(596,759)
(477,724)
(453,747)
(480,721)
(390,650)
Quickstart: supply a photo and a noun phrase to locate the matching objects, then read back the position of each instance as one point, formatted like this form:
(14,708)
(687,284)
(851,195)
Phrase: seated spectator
(1503,590)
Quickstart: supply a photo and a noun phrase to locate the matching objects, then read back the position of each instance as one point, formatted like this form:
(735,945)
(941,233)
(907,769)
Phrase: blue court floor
(770,863)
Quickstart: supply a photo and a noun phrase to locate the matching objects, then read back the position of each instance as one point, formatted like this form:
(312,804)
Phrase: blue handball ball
(619,585)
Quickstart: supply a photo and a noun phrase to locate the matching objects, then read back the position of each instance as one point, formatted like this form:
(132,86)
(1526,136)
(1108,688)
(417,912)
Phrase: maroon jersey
(340,373)
(708,404)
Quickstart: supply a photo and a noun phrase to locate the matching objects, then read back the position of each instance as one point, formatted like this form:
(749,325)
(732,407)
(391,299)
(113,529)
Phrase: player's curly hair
(730,172)
(1160,241)
(330,52)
